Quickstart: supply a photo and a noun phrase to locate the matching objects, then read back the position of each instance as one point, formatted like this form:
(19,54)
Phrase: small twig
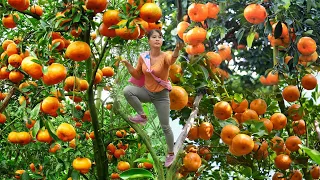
(6,100)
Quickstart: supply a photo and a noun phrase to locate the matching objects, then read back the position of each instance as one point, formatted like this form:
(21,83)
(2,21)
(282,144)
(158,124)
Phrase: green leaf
(135,173)
(143,160)
(308,6)
(25,176)
(239,34)
(287,4)
(238,97)
(35,111)
(77,18)
(247,172)
(75,175)
(35,128)
(205,72)
(51,131)
(313,154)
(55,45)
(250,39)
(209,32)
(36,176)
(278,30)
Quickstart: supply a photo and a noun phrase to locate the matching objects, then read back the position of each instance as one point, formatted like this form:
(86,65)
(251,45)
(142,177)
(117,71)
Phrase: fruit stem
(214,76)
(275,55)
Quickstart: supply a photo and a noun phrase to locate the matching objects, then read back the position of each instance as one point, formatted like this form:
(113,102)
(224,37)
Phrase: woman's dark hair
(149,34)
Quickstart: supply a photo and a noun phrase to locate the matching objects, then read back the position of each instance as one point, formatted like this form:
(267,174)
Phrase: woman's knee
(127,91)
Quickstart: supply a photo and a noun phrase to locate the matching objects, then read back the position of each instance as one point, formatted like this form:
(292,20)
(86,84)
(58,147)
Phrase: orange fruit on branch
(255,13)
(150,12)
(174,70)
(205,130)
(82,164)
(306,46)
(8,21)
(15,60)
(78,51)
(193,133)
(299,127)
(196,35)
(228,132)
(239,107)
(308,81)
(181,28)
(249,114)
(292,143)
(56,73)
(44,136)
(123,166)
(20,5)
(15,76)
(192,161)
(111,17)
(105,31)
(294,112)
(278,120)
(50,105)
(96,5)
(315,172)
(213,10)
(178,98)
(242,144)
(291,93)
(214,58)
(32,68)
(282,162)
(6,43)
(127,33)
(36,9)
(259,105)
(222,110)
(66,132)
(198,12)
(107,71)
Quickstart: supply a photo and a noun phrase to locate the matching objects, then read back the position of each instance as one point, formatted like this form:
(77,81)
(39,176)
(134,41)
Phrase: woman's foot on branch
(139,119)
(169,159)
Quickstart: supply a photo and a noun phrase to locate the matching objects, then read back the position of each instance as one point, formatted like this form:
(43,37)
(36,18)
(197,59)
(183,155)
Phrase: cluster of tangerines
(241,143)
(149,16)
(8,20)
(34,168)
(195,36)
(192,160)
(119,150)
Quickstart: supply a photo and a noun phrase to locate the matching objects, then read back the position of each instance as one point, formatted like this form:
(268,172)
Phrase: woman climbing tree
(153,70)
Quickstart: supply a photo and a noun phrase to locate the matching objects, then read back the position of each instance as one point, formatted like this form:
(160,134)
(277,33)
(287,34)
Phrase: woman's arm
(135,72)
(175,53)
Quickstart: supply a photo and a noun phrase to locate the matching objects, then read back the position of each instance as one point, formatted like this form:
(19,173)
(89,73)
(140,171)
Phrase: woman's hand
(179,46)
(125,62)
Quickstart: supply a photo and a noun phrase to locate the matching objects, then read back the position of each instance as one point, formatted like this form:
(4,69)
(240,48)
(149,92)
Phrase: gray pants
(135,95)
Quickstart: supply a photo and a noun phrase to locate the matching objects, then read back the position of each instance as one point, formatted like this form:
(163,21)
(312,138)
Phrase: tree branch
(316,125)
(183,135)
(6,100)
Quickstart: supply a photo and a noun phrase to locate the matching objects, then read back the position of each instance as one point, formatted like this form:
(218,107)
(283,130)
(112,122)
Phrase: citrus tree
(244,88)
